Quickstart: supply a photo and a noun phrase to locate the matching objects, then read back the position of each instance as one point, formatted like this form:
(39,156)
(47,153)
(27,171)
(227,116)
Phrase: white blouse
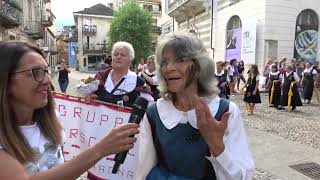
(295,76)
(310,70)
(235,163)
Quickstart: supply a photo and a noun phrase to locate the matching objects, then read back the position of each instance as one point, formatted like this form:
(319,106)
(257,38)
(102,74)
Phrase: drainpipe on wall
(212,29)
(173,24)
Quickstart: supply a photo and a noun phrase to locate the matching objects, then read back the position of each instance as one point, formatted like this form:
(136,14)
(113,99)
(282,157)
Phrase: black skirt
(276,98)
(295,99)
(308,87)
(248,95)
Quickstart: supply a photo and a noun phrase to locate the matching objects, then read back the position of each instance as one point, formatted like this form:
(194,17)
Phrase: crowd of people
(190,131)
(286,83)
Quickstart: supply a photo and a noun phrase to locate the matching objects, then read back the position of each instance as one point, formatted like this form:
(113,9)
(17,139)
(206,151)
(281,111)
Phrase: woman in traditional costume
(275,87)
(186,137)
(252,94)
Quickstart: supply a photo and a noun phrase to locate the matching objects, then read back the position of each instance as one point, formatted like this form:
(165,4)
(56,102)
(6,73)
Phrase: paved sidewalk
(273,154)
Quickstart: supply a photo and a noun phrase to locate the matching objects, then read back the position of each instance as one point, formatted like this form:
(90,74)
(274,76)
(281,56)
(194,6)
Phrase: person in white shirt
(149,75)
(308,77)
(232,79)
(141,65)
(31,137)
(119,85)
(183,136)
(290,81)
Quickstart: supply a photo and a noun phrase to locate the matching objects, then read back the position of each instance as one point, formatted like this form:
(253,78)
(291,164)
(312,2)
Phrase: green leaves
(132,24)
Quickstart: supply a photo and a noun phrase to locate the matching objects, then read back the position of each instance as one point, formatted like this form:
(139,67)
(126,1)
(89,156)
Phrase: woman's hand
(118,140)
(211,129)
(91,97)
(254,92)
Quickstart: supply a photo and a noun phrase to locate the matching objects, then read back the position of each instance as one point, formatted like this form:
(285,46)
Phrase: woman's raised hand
(211,129)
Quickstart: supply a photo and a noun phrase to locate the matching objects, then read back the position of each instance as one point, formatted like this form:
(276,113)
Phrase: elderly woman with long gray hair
(191,133)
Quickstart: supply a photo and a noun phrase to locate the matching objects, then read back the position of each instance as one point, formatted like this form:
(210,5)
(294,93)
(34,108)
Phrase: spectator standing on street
(231,75)
(31,137)
(141,65)
(252,94)
(149,75)
(266,72)
(240,71)
(63,79)
(222,76)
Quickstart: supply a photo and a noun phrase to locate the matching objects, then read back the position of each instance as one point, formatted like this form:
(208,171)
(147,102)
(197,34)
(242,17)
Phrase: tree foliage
(133,25)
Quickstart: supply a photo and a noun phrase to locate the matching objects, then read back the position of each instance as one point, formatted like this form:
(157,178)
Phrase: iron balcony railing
(34,29)
(10,13)
(48,18)
(89,29)
(156,29)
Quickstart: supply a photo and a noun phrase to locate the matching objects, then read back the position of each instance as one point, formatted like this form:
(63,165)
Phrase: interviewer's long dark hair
(11,138)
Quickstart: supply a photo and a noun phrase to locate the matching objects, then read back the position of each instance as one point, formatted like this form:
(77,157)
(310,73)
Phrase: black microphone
(139,109)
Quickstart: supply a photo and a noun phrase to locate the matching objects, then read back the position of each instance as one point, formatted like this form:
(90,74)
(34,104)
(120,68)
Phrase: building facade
(29,21)
(252,30)
(93,24)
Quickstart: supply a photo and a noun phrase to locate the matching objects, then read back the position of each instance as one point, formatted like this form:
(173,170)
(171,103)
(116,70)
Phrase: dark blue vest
(181,151)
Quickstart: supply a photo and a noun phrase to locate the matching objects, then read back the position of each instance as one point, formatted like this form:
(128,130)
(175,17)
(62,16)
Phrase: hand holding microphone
(138,111)
(118,140)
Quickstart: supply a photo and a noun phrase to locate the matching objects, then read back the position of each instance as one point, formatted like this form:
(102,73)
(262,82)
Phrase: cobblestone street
(277,139)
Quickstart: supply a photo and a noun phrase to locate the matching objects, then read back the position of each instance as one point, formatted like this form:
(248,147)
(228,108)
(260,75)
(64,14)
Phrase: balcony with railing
(182,10)
(156,29)
(89,29)
(34,29)
(53,48)
(153,8)
(10,13)
(93,48)
(48,18)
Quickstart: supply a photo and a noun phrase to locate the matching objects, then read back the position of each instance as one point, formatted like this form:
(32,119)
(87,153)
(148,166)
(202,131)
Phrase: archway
(233,38)
(306,36)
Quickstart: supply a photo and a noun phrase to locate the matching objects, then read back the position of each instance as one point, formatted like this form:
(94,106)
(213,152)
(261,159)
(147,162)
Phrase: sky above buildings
(63,10)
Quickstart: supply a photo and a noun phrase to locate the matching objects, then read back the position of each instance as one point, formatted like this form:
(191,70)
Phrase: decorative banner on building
(306,36)
(233,44)
(85,123)
(306,43)
(249,38)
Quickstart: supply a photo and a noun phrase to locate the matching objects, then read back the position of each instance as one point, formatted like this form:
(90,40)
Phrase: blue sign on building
(72,53)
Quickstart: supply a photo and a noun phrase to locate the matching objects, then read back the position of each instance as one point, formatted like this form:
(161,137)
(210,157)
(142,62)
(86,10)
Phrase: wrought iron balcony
(92,48)
(53,48)
(182,10)
(34,29)
(156,29)
(48,18)
(10,13)
(89,29)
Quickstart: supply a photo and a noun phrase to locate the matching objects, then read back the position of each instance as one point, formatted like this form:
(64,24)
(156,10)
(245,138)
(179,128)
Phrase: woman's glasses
(38,73)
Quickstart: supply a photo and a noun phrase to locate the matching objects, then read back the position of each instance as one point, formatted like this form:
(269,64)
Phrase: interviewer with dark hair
(31,137)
